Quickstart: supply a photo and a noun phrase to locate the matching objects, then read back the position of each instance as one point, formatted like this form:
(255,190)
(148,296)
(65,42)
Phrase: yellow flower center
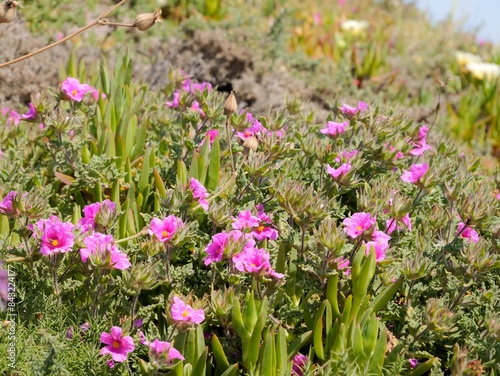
(116,344)
(359,228)
(164,233)
(185,313)
(74,92)
(260,228)
(54,243)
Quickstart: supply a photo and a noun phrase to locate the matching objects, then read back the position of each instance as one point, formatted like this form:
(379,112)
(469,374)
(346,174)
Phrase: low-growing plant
(169,232)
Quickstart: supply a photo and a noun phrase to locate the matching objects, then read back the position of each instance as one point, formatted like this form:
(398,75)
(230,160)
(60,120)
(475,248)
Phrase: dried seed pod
(8,10)
(251,143)
(230,106)
(144,21)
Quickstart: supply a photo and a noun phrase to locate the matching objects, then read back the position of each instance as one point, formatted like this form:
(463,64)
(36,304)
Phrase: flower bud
(440,320)
(145,21)
(230,106)
(8,10)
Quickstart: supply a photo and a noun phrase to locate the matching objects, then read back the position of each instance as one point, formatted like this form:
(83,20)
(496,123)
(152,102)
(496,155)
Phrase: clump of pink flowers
(165,229)
(118,346)
(420,145)
(55,236)
(259,225)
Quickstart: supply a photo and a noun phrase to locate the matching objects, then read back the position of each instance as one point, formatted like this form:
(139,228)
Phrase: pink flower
(254,128)
(264,232)
(346,156)
(195,106)
(468,233)
(342,263)
(212,133)
(176,101)
(163,353)
(334,129)
(102,251)
(497,196)
(165,229)
(413,362)
(420,146)
(6,206)
(338,172)
(416,172)
(380,243)
(12,116)
(31,114)
(98,216)
(199,192)
(392,224)
(118,346)
(56,236)
(216,249)
(95,95)
(317,18)
(255,261)
(245,219)
(349,112)
(358,223)
(192,87)
(74,90)
(299,364)
(181,312)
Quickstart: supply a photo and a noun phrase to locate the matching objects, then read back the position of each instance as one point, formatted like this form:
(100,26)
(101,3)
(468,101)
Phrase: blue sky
(482,14)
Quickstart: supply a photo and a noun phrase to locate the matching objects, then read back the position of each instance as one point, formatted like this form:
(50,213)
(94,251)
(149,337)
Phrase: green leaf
(331,294)
(160,186)
(421,368)
(181,173)
(213,166)
(144,180)
(268,360)
(231,371)
(377,360)
(298,343)
(200,367)
(318,334)
(220,357)
(281,352)
(194,170)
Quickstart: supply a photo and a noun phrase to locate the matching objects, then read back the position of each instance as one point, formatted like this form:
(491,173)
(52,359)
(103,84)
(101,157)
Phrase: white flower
(484,71)
(464,58)
(354,27)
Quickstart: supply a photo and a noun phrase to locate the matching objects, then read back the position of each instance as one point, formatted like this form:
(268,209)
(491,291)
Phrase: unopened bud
(8,10)
(230,106)
(144,21)
(251,143)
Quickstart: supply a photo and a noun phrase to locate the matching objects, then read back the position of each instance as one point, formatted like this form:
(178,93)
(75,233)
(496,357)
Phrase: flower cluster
(102,251)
